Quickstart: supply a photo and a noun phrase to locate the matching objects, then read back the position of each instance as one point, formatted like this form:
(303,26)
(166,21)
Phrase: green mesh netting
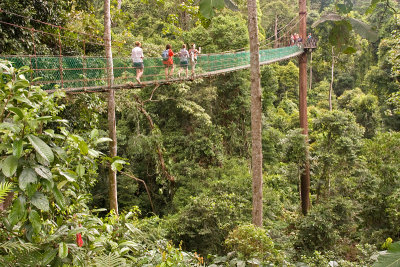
(86,72)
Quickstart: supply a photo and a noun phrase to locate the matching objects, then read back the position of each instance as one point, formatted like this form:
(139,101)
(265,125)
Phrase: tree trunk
(119,4)
(331,86)
(112,175)
(276,31)
(7,201)
(310,72)
(256,122)
(305,176)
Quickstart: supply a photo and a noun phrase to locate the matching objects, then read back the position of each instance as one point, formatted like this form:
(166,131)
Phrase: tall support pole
(112,175)
(305,175)
(256,111)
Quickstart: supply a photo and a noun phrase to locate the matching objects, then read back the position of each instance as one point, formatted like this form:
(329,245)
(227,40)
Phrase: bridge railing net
(89,72)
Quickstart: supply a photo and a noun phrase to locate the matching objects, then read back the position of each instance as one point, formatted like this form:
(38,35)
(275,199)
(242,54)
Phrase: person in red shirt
(168,61)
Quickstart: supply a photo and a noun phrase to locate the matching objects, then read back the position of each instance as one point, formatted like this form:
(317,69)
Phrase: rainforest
(102,165)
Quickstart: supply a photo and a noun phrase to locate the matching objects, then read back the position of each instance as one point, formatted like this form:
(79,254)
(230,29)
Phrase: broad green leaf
(16,111)
(102,140)
(34,218)
(41,147)
(41,160)
(44,118)
(206,7)
(117,165)
(23,100)
(17,148)
(26,177)
(61,184)
(60,152)
(47,184)
(48,256)
(9,166)
(40,201)
(4,67)
(21,84)
(62,250)
(43,172)
(10,126)
(94,134)
(94,153)
(391,258)
(70,175)
(80,170)
(59,197)
(83,147)
(17,212)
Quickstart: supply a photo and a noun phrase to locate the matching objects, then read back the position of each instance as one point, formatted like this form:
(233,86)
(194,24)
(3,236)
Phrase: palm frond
(359,27)
(5,188)
(13,247)
(364,30)
(327,17)
(110,260)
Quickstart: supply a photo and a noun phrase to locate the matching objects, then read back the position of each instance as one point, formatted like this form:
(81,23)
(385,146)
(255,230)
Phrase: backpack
(165,55)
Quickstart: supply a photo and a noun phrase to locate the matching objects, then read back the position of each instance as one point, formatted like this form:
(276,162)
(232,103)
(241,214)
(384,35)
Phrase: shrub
(250,241)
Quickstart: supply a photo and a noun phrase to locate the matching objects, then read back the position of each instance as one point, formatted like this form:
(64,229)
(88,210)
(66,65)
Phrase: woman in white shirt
(137,58)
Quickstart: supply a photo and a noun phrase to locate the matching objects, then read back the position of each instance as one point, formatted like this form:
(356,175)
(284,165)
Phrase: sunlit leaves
(41,147)
(207,7)
(390,258)
(9,166)
(62,250)
(26,177)
(40,201)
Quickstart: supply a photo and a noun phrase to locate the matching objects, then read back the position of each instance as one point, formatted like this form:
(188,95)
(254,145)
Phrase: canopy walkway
(89,74)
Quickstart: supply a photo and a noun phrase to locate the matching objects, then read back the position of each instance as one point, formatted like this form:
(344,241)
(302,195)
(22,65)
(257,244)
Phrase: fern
(5,188)
(110,260)
(19,254)
(14,247)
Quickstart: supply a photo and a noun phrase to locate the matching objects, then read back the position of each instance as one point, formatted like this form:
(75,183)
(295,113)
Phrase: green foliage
(207,219)
(391,258)
(335,146)
(327,225)
(250,242)
(5,188)
(364,107)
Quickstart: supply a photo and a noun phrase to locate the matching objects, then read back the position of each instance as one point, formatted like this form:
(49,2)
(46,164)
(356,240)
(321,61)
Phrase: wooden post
(112,175)
(305,175)
(256,115)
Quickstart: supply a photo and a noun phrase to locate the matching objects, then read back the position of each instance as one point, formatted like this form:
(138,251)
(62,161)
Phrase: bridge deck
(89,74)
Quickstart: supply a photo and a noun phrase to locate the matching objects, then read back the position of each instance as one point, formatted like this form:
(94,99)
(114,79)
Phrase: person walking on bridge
(184,60)
(193,57)
(168,61)
(137,58)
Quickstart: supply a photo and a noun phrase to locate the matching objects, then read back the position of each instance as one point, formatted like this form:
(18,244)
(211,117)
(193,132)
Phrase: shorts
(184,64)
(168,64)
(138,65)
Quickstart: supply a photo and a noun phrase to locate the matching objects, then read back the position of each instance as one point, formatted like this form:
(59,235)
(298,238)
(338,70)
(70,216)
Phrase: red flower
(79,240)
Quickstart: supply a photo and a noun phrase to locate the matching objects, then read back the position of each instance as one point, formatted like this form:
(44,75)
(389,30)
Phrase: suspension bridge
(89,73)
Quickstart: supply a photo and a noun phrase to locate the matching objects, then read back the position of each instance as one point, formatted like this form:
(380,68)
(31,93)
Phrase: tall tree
(112,175)
(256,111)
(305,176)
